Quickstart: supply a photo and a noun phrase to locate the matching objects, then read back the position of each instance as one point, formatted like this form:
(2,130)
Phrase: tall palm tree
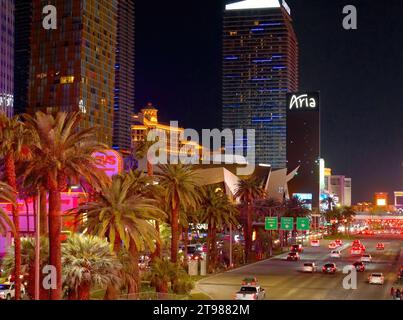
(13,148)
(62,150)
(180,190)
(119,212)
(87,262)
(218,212)
(6,194)
(247,191)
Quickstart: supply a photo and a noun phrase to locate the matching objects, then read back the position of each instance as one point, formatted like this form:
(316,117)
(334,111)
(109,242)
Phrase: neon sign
(302,101)
(110,161)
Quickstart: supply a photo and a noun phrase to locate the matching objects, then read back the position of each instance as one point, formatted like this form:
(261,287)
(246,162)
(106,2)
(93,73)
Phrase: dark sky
(359,74)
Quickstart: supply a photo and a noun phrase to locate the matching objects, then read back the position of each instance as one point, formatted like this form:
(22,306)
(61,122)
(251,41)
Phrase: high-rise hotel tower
(73,67)
(260,66)
(7,56)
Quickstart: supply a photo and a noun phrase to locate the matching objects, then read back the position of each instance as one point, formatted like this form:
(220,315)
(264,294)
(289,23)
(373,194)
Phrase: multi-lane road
(284,280)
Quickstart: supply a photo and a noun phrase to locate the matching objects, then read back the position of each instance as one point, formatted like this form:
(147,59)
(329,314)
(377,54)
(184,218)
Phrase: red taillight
(254,296)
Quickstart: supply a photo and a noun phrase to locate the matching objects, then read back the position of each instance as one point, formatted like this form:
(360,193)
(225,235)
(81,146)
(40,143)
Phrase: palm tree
(87,262)
(218,212)
(164,271)
(6,194)
(180,190)
(269,207)
(119,212)
(295,208)
(348,214)
(330,202)
(336,215)
(247,191)
(28,263)
(13,148)
(62,150)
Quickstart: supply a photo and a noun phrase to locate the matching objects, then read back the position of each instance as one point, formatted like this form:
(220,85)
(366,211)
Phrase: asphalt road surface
(284,280)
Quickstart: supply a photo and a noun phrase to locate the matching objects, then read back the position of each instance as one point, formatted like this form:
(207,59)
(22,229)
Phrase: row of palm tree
(49,152)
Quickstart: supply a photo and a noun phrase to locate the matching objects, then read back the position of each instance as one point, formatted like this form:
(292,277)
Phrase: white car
(7,291)
(315,243)
(253,292)
(376,278)
(310,267)
(366,257)
(335,254)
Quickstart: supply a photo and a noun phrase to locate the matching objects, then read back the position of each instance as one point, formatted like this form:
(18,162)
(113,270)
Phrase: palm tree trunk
(134,289)
(84,291)
(248,241)
(175,232)
(12,181)
(43,215)
(111,291)
(55,248)
(214,245)
(186,243)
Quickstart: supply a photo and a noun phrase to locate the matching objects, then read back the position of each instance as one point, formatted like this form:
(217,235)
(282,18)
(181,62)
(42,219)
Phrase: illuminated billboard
(305,198)
(110,161)
(303,145)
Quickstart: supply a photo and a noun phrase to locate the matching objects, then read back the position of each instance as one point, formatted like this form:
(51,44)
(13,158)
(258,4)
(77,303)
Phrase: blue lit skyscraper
(260,66)
(124,95)
(7,56)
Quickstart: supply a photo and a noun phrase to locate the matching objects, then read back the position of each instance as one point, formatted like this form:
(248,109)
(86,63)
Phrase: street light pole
(37,248)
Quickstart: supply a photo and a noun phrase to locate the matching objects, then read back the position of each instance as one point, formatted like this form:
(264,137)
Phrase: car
(332,245)
(329,268)
(296,248)
(293,256)
(338,242)
(315,243)
(250,293)
(249,281)
(359,266)
(376,278)
(356,243)
(7,291)
(366,257)
(310,267)
(380,246)
(363,248)
(335,254)
(356,251)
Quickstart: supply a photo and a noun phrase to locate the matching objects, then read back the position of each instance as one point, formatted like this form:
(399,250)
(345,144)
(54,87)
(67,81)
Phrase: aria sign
(303,101)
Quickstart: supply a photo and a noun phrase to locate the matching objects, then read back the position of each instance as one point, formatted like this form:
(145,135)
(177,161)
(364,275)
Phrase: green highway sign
(303,224)
(287,224)
(271,223)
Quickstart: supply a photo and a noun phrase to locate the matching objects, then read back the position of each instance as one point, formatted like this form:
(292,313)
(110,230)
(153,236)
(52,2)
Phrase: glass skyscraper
(73,67)
(260,65)
(124,76)
(7,56)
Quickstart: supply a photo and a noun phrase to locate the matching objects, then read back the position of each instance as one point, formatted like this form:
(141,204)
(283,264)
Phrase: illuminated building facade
(124,76)
(381,199)
(147,120)
(339,188)
(73,67)
(22,52)
(260,65)
(7,56)
(399,201)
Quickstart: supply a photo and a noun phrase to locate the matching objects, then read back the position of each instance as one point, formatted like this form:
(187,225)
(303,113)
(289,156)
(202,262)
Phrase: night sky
(359,74)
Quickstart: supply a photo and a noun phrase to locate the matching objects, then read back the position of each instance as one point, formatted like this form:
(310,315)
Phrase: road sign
(271,223)
(303,224)
(287,224)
